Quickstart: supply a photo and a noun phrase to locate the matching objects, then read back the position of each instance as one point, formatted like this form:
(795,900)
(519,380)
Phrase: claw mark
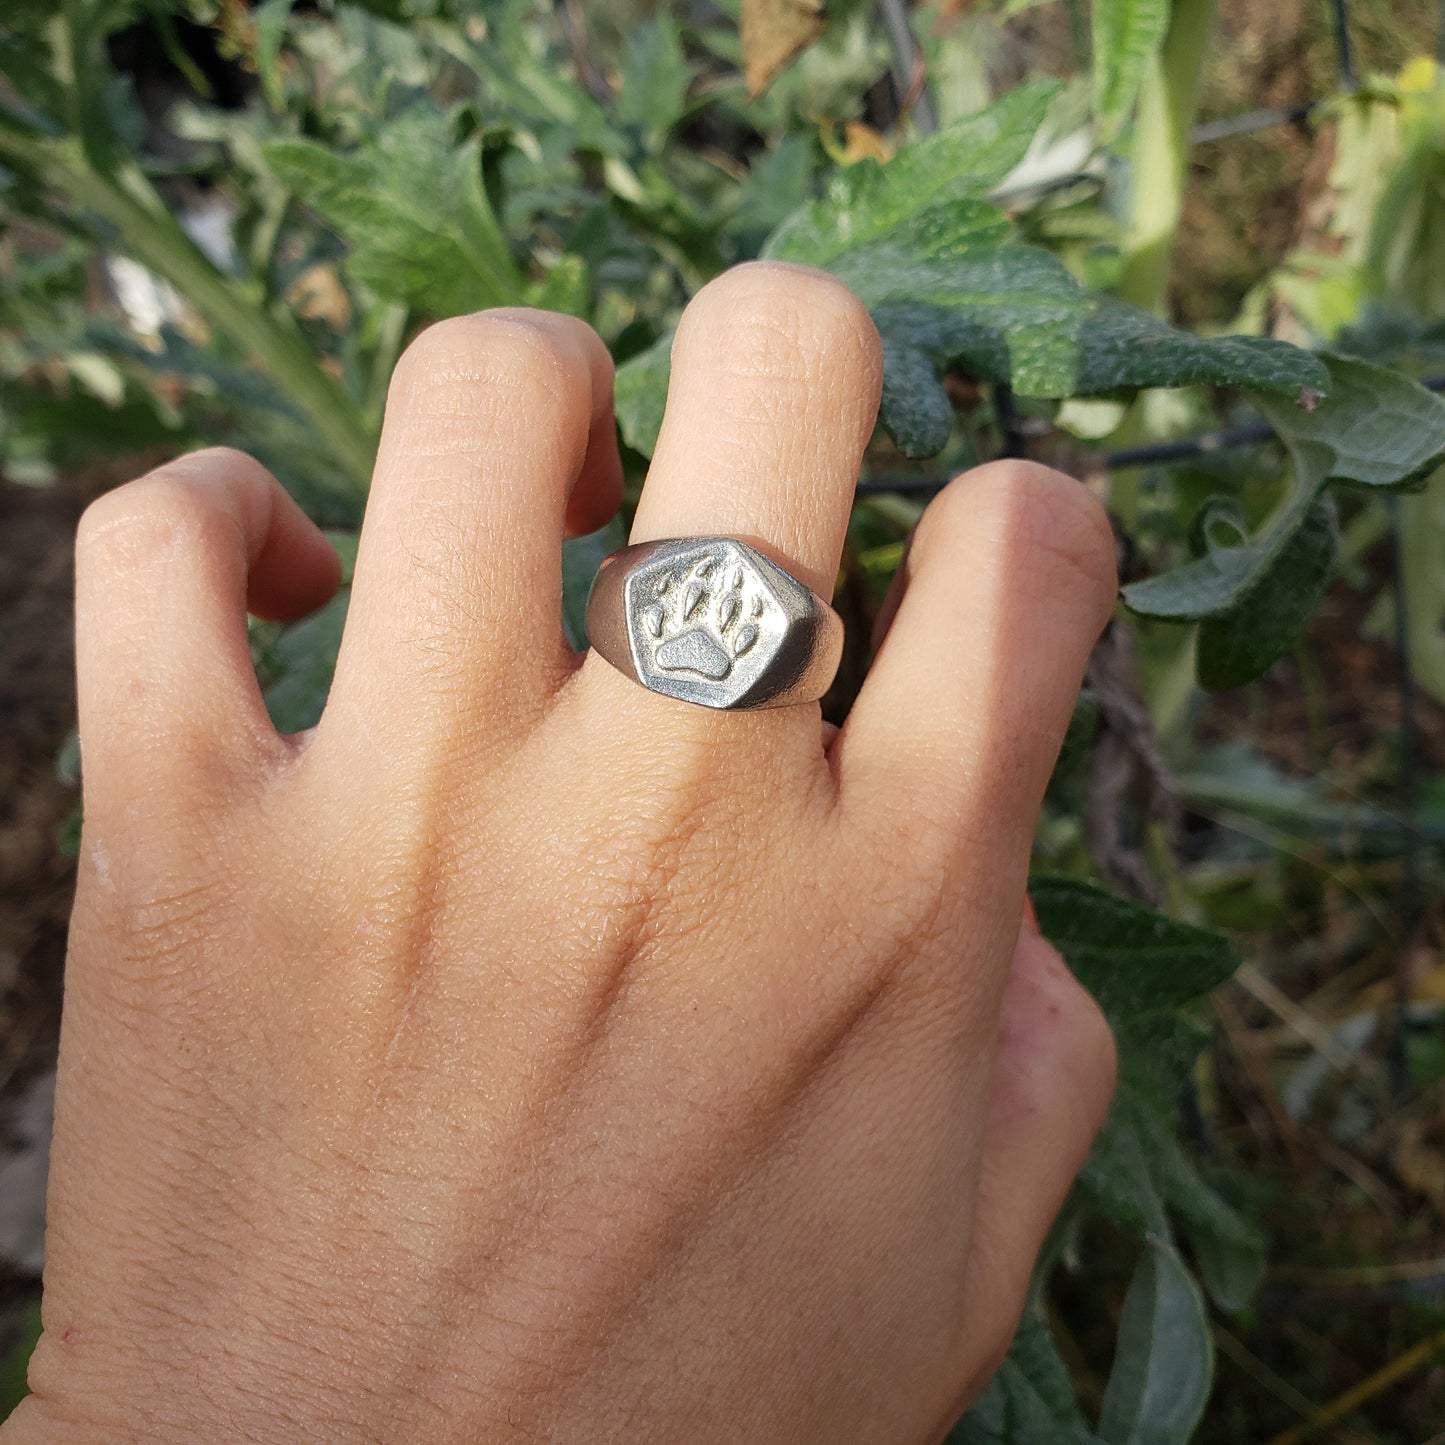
(654,617)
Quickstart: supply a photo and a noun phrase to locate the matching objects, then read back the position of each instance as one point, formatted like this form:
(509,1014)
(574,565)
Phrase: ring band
(712,621)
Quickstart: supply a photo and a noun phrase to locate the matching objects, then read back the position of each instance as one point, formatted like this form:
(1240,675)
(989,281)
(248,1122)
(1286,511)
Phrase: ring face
(707,620)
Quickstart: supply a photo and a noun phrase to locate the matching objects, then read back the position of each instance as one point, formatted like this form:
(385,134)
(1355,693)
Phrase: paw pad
(704,620)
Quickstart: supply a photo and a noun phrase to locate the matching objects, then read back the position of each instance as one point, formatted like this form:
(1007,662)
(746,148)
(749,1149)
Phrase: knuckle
(511,351)
(146,518)
(1098,1051)
(1077,1044)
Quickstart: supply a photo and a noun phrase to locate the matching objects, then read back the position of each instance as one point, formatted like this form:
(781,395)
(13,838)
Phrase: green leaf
(1230,1253)
(1421,591)
(305,657)
(947,281)
(565,287)
(1123,348)
(1128,34)
(1143,968)
(1131,959)
(867,201)
(1119,1178)
(412,209)
(1035,1356)
(1374,428)
(581,557)
(14,1385)
(1005,314)
(1011,1412)
(1157,1051)
(1030,1399)
(915,409)
(1163,1362)
(1139,1177)
(271,18)
(1265,621)
(640,394)
(655,79)
(1013,314)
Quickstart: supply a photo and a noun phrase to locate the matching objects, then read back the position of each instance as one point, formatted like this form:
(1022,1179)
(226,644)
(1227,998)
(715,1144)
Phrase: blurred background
(222,221)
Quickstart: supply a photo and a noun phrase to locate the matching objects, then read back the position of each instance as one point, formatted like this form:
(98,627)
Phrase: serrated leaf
(1163,1361)
(655,78)
(1128,34)
(640,394)
(1143,968)
(773,32)
(866,201)
(1131,959)
(412,210)
(1005,314)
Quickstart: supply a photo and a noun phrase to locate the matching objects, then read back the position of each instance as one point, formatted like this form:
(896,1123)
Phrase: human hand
(521,1054)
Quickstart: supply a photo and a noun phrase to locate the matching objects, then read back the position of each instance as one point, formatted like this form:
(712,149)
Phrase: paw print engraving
(713,621)
(704,620)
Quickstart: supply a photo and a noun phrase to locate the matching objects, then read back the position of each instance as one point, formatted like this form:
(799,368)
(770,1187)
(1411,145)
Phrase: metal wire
(1226,439)
(1344,45)
(909,73)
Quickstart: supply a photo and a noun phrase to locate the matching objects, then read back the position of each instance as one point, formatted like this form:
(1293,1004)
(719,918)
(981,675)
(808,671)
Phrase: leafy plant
(399,160)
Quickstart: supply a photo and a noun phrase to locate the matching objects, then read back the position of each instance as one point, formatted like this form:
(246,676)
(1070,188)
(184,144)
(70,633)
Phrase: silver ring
(711,620)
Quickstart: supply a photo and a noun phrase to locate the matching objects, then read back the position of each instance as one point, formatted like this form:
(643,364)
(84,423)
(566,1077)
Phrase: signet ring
(712,621)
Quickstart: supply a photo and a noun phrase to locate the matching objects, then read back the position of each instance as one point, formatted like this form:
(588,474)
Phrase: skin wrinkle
(543,1027)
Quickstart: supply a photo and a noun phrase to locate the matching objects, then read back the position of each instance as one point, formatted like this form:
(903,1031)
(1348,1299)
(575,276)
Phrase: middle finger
(776,373)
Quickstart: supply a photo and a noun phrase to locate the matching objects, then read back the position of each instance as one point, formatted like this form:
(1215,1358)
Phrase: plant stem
(1168,101)
(126,201)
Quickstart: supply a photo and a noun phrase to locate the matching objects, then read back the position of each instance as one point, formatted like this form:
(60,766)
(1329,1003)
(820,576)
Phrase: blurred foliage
(238,249)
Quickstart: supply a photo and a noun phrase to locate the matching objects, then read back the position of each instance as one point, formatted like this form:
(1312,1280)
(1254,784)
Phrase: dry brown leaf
(773,32)
(865,144)
(1420,1164)
(318,295)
